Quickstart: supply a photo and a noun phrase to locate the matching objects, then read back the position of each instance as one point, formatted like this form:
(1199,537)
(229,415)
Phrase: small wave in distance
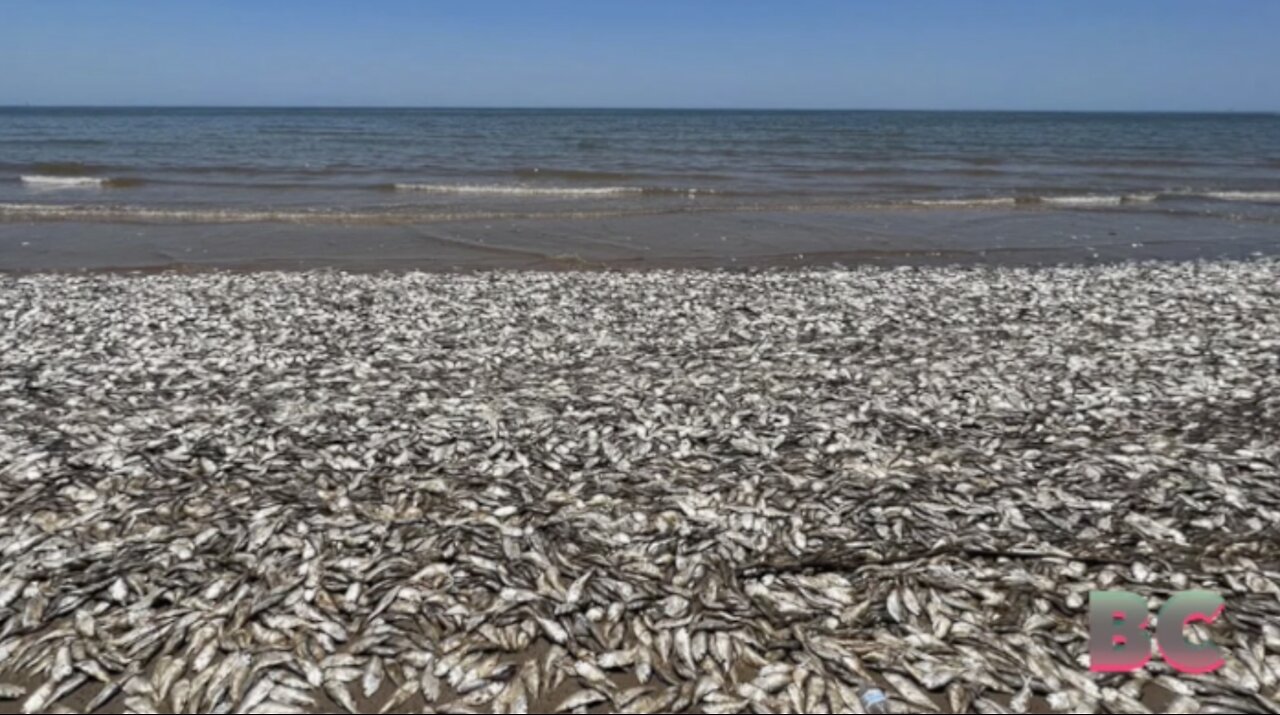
(1098,200)
(1068,201)
(89,213)
(519,190)
(1258,196)
(43,182)
(967,203)
(525,190)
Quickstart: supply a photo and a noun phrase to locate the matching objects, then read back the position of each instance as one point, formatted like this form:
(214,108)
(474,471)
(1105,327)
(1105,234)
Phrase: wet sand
(704,240)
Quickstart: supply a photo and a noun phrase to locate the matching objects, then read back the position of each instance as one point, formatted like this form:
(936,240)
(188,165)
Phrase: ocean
(621,184)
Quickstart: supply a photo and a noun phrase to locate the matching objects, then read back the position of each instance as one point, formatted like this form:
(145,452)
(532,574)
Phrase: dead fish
(554,631)
(40,698)
(909,691)
(430,686)
(272,707)
(749,492)
(1022,700)
(581,699)
(372,680)
(616,660)
(409,688)
(340,695)
(592,674)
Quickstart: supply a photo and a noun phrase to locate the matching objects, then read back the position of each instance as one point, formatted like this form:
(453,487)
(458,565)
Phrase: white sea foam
(135,213)
(1082,200)
(1260,196)
(962,203)
(139,214)
(520,190)
(64,182)
(1088,200)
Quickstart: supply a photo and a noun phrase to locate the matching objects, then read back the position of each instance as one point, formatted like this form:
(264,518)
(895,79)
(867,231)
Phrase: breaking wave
(567,192)
(91,213)
(1098,200)
(77,182)
(1071,201)
(517,190)
(965,203)
(64,182)
(140,214)
(1260,196)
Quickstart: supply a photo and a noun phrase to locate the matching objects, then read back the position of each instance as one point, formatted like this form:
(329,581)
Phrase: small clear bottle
(873,700)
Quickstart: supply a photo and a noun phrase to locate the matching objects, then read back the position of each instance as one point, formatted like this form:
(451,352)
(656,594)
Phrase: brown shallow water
(707,240)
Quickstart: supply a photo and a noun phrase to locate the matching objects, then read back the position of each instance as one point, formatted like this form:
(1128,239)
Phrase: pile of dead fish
(666,491)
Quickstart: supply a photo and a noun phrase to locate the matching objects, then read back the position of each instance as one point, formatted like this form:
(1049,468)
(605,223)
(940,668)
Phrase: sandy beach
(650,357)
(645,491)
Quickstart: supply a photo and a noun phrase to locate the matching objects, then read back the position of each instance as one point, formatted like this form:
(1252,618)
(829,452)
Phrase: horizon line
(589,108)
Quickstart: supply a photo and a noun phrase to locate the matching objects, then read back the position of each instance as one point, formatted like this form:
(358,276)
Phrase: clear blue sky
(1000,54)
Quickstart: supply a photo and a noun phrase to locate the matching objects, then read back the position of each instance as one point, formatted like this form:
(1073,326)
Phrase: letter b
(1118,637)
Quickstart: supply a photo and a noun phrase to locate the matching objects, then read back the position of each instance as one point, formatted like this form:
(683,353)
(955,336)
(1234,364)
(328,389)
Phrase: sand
(731,240)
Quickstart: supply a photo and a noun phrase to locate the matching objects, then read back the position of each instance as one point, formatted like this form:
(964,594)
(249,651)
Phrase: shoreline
(722,241)
(841,263)
(1032,259)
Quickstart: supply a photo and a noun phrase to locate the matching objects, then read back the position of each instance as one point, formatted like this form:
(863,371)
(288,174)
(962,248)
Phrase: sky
(1178,55)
